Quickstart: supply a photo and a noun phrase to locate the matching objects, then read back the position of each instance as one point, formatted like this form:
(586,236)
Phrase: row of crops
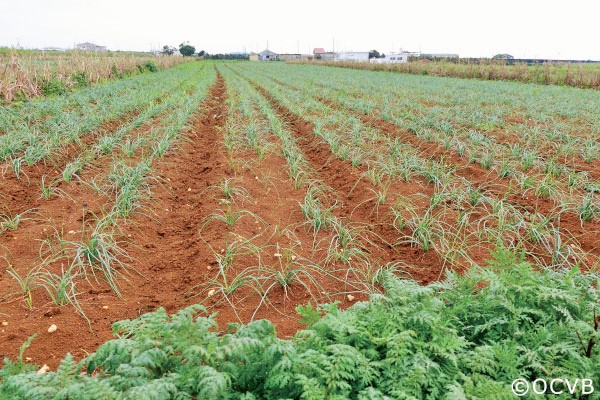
(108,138)
(320,187)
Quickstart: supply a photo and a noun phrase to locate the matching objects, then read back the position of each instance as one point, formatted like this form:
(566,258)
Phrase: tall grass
(24,75)
(577,75)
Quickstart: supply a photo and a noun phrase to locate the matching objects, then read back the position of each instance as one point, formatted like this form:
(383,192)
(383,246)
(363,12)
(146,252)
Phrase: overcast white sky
(471,28)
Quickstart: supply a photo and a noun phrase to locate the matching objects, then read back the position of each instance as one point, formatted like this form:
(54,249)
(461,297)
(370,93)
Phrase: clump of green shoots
(229,216)
(345,244)
(318,215)
(11,223)
(590,208)
(230,191)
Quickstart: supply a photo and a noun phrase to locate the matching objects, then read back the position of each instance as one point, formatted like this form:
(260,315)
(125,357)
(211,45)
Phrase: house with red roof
(319,53)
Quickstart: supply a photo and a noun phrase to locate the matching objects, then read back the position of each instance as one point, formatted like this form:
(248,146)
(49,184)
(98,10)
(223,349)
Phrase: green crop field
(296,231)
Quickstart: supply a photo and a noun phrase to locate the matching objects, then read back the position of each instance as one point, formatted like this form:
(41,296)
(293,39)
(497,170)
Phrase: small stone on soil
(44,369)
(52,328)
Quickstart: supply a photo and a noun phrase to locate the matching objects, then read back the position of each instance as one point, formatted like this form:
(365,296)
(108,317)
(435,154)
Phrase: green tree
(186,49)
(374,54)
(503,57)
(168,50)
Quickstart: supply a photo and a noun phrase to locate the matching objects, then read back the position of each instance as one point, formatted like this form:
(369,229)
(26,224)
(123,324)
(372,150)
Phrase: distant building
(359,56)
(267,55)
(295,57)
(52,48)
(253,56)
(90,47)
(438,55)
(326,56)
(162,53)
(319,53)
(290,56)
(392,58)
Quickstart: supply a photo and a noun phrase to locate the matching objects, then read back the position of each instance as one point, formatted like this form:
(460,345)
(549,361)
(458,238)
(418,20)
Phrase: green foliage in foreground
(468,337)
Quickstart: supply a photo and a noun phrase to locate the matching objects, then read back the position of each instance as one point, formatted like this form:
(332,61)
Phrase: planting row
(105,183)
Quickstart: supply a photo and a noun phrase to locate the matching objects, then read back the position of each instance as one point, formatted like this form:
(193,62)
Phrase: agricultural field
(391,222)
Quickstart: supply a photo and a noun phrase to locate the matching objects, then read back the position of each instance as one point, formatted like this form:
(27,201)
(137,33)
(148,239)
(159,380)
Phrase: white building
(267,55)
(438,55)
(53,48)
(87,46)
(392,58)
(361,56)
